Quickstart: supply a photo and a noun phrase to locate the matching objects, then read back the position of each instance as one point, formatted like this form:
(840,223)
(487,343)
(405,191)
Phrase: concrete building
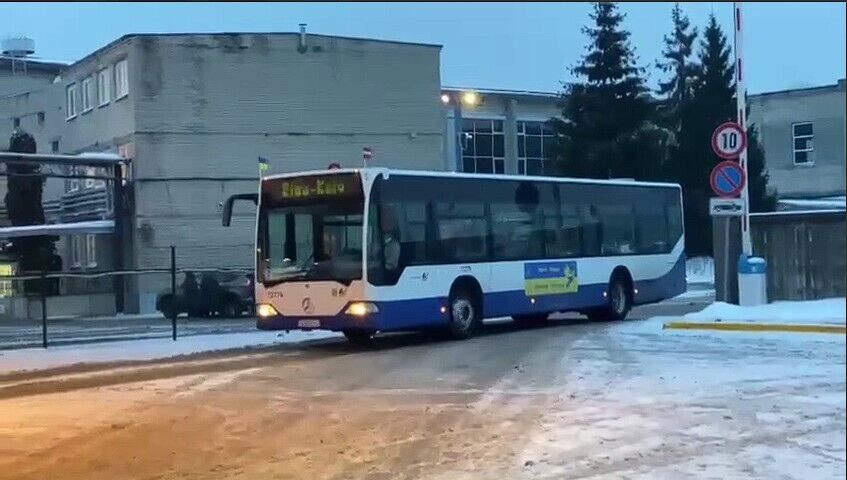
(21,75)
(803,134)
(194,112)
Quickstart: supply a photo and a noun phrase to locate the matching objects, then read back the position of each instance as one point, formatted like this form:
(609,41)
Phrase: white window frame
(810,152)
(104,87)
(87,94)
(90,182)
(76,251)
(70,101)
(74,182)
(121,79)
(465,137)
(546,162)
(91,250)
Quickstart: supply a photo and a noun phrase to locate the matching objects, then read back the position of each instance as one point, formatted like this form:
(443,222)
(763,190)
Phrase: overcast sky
(498,45)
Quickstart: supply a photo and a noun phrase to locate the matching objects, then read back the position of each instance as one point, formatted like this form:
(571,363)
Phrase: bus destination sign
(317,187)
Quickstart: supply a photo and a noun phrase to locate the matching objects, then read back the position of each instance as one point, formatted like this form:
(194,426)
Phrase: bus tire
(618,300)
(465,313)
(359,337)
(531,320)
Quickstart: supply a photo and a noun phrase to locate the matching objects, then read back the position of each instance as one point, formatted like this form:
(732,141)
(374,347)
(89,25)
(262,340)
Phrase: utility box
(752,281)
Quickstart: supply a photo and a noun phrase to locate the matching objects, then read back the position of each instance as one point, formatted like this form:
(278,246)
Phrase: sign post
(741,106)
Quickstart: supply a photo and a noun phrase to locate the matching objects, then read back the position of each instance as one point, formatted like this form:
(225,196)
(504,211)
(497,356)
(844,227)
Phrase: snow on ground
(828,311)
(700,270)
(696,294)
(146,349)
(702,406)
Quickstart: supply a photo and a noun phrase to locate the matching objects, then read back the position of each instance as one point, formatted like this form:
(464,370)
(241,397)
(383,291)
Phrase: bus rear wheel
(618,301)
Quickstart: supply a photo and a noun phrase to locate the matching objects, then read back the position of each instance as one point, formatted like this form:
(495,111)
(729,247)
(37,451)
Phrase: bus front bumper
(399,315)
(335,323)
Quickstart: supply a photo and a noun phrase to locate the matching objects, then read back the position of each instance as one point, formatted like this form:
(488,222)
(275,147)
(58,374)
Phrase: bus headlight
(360,309)
(265,310)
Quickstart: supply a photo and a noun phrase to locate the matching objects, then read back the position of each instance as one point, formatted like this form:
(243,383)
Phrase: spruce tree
(606,114)
(762,198)
(24,205)
(675,93)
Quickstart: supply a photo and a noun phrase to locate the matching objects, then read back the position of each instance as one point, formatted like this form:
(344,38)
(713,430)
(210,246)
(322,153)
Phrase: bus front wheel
(465,314)
(618,301)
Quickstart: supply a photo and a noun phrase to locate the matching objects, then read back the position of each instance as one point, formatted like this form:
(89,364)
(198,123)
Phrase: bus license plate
(308,323)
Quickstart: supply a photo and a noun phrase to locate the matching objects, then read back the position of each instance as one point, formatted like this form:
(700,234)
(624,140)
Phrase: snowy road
(571,400)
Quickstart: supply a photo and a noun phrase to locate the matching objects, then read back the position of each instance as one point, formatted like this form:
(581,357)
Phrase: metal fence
(82,305)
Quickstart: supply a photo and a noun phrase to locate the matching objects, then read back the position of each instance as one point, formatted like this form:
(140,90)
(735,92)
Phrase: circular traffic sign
(729,140)
(727,179)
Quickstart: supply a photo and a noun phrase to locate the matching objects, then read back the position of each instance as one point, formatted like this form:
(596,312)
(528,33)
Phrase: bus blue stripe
(426,312)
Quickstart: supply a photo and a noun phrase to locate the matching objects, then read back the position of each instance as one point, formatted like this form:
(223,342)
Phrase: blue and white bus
(376,250)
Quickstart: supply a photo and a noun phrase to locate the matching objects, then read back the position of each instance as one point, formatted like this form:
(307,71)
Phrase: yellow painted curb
(756,327)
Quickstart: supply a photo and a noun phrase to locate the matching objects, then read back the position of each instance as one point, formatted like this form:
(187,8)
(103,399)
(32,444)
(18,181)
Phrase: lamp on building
(470,99)
(445,99)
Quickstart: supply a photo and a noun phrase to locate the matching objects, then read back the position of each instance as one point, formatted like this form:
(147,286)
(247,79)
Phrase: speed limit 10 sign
(729,140)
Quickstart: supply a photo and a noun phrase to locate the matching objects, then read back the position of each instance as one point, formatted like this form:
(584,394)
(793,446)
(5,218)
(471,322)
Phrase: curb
(756,327)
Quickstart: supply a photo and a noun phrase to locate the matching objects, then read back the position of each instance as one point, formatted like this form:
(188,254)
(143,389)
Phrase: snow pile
(146,349)
(700,270)
(828,311)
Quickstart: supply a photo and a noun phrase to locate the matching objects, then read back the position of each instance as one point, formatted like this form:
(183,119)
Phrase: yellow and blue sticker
(548,278)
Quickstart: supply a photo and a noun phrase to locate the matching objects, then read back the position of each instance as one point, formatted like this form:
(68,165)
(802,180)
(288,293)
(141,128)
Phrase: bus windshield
(311,235)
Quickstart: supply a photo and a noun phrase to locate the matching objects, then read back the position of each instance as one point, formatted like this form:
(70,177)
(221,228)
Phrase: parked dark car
(216,294)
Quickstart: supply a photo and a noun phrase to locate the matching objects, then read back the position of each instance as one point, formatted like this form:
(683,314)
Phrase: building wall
(775,113)
(104,127)
(24,75)
(206,106)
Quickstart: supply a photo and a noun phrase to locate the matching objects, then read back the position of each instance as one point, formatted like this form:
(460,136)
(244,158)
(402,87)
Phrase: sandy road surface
(602,400)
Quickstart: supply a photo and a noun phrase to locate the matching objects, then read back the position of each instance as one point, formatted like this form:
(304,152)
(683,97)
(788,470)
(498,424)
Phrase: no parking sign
(727,179)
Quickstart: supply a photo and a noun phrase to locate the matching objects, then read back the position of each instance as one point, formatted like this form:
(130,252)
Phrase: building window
(121,80)
(73,183)
(88,94)
(536,145)
(91,250)
(54,146)
(76,251)
(90,182)
(104,86)
(70,100)
(483,149)
(16,122)
(804,146)
(41,118)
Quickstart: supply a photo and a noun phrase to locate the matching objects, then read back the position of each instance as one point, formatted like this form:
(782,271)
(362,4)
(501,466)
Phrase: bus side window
(592,231)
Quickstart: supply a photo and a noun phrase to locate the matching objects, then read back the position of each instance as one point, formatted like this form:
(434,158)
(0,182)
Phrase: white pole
(741,105)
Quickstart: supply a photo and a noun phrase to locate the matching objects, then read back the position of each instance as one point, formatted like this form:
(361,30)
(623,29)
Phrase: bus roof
(485,176)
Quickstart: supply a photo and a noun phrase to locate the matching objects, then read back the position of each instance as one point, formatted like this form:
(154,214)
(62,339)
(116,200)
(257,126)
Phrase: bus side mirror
(226,207)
